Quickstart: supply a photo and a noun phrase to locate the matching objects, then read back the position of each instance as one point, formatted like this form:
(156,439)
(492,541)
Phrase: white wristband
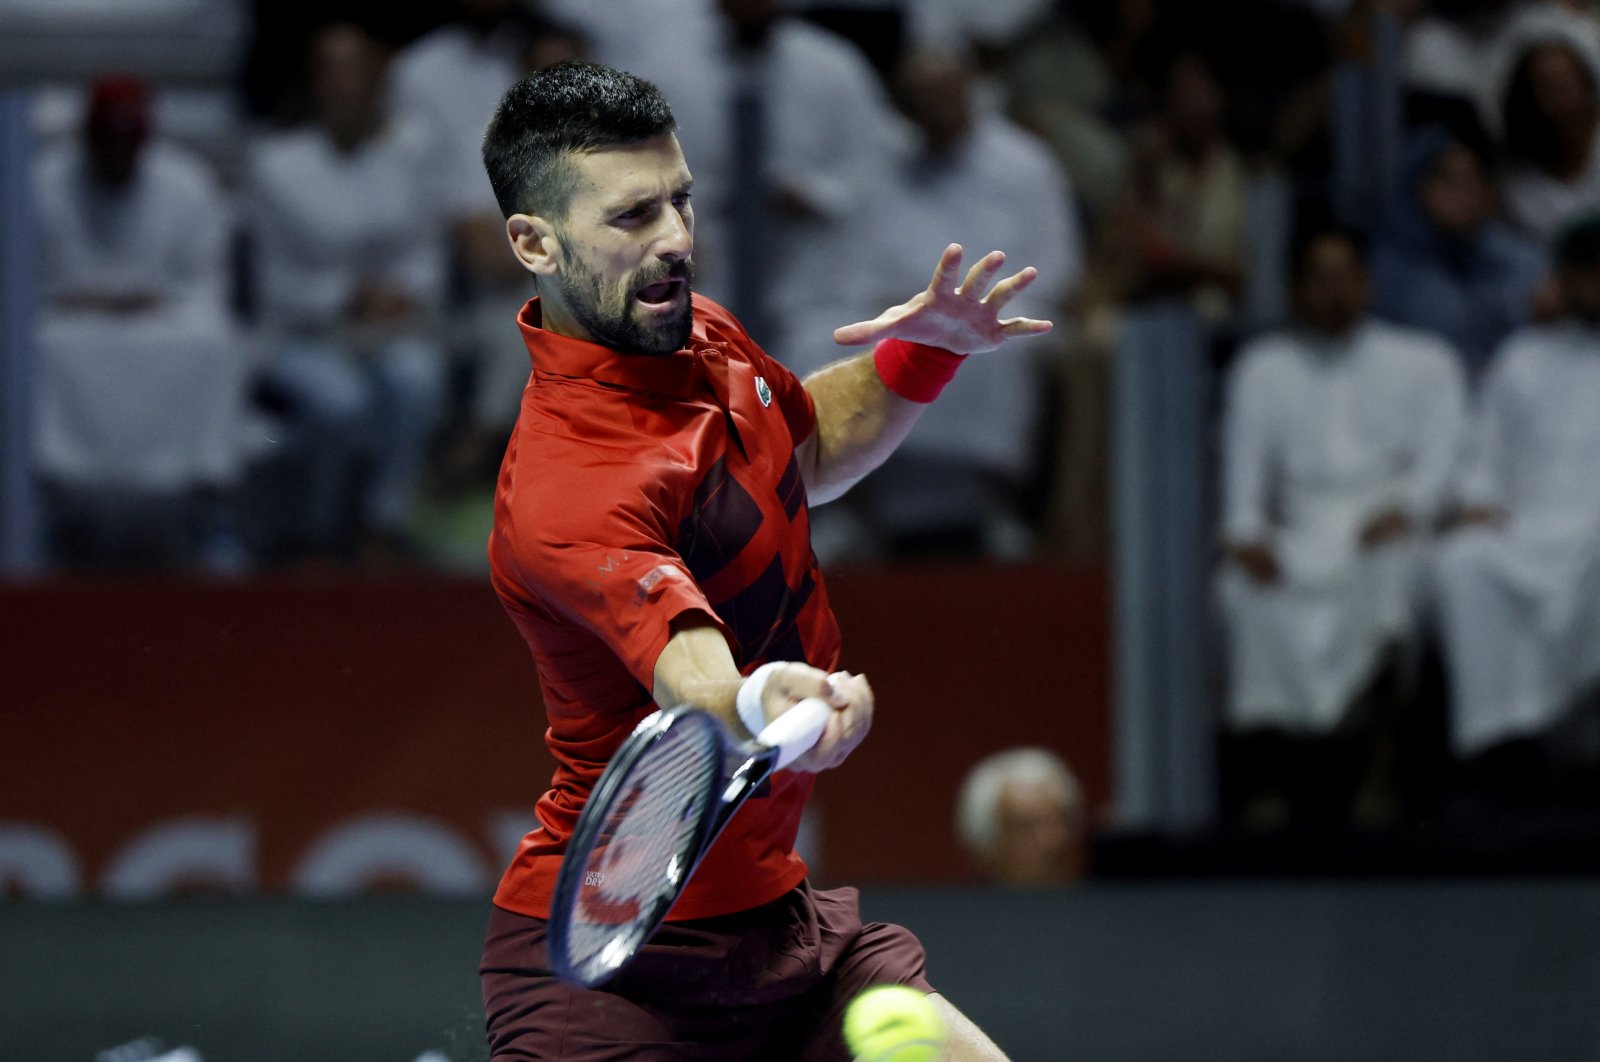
(752,712)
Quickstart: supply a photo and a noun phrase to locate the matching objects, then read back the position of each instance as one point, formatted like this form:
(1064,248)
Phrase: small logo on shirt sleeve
(763,392)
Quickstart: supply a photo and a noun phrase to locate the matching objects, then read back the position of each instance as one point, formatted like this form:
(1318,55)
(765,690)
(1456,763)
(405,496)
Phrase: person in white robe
(349,253)
(1518,583)
(1339,441)
(979,180)
(140,373)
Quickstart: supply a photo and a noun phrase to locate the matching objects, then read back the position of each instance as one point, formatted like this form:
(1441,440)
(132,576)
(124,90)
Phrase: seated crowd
(303,350)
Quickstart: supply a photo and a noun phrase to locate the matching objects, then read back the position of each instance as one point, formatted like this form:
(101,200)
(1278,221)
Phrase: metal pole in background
(19,511)
(1164,721)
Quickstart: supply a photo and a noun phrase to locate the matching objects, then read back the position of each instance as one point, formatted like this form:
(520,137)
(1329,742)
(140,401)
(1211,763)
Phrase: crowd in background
(277,327)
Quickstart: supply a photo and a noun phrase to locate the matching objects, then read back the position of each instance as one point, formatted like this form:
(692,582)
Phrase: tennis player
(651,544)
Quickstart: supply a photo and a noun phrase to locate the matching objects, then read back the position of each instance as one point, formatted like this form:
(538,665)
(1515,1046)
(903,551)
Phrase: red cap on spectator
(121,103)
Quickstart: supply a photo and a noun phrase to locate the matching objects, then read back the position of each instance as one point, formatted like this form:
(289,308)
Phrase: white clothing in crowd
(1320,436)
(998,189)
(1475,62)
(148,397)
(447,84)
(1450,56)
(1520,602)
(329,227)
(1541,206)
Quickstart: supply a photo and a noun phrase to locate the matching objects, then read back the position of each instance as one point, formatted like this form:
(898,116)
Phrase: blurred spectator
(1339,441)
(1176,231)
(977,180)
(1442,261)
(1021,817)
(447,84)
(1519,582)
(348,249)
(957,25)
(1067,82)
(1550,113)
(1178,227)
(1450,44)
(140,373)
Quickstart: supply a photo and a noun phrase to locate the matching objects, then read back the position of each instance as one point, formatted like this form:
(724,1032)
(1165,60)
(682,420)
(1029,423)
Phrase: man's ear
(533,241)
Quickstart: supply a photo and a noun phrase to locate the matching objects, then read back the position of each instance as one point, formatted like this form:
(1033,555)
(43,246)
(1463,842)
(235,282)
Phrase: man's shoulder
(182,171)
(293,149)
(436,52)
(1278,348)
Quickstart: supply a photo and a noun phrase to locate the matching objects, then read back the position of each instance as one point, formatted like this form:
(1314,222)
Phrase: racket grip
(795,731)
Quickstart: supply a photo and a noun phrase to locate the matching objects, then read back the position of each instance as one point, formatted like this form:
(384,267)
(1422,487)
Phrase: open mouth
(661,293)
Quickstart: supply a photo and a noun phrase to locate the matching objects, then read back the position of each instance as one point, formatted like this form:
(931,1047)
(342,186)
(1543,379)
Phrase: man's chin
(665,337)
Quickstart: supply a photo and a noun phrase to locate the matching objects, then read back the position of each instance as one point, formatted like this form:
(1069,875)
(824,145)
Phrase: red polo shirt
(637,488)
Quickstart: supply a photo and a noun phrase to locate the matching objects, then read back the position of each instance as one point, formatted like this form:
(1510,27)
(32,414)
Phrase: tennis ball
(894,1023)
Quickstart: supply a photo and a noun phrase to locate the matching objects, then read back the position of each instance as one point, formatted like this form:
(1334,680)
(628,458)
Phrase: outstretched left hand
(962,319)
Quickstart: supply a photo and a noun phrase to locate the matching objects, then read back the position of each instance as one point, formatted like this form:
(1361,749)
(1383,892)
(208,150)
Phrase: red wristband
(915,371)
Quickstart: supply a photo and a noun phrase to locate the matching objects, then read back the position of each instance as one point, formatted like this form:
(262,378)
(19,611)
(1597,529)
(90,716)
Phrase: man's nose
(676,240)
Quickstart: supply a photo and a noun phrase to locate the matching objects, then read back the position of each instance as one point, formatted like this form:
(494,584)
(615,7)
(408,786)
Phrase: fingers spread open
(944,274)
(1005,290)
(1024,326)
(983,269)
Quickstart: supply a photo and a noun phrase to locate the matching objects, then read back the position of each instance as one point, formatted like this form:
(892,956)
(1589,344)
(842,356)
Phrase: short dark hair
(569,107)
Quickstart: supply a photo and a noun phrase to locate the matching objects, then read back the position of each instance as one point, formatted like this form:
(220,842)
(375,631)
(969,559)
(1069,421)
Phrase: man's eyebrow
(622,206)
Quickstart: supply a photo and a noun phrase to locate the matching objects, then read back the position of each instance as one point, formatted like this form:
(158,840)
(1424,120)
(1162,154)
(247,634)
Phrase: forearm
(859,423)
(697,668)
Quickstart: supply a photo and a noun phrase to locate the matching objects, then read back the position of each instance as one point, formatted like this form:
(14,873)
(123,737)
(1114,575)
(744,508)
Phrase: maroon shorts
(771,983)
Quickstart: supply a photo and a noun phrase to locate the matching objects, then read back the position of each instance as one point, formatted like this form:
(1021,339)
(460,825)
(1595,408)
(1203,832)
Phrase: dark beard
(621,327)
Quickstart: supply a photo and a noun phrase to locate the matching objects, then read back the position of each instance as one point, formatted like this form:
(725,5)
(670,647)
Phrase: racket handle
(795,731)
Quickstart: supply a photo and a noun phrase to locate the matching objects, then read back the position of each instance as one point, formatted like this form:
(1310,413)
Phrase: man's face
(347,79)
(626,242)
(1039,837)
(935,93)
(1456,193)
(1333,288)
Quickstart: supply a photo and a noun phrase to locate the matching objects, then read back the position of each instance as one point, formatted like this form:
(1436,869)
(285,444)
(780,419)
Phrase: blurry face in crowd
(935,92)
(1039,837)
(1456,193)
(1195,104)
(117,130)
(1561,86)
(751,14)
(485,13)
(1332,292)
(347,81)
(1580,290)
(547,49)
(616,268)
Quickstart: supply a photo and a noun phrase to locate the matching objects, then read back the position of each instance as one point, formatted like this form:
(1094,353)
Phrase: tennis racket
(656,810)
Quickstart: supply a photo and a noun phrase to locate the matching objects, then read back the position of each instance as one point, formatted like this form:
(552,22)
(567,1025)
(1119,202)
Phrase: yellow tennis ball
(894,1023)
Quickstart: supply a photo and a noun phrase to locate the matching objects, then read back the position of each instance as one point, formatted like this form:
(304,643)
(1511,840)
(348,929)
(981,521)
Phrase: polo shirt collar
(673,374)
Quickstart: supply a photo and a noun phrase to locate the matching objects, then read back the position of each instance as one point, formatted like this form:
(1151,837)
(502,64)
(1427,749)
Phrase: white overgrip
(794,732)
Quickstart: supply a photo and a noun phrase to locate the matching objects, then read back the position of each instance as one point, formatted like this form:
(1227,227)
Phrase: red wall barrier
(329,735)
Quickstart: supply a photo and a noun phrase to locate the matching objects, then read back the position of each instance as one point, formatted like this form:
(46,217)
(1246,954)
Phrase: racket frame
(582,843)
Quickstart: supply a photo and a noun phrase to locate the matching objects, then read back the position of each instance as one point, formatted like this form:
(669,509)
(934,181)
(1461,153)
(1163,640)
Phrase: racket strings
(648,843)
